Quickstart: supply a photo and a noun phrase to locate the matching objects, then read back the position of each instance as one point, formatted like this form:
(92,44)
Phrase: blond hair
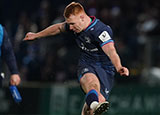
(73,9)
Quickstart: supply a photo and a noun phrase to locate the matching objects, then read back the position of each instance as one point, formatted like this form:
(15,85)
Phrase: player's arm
(110,51)
(49,31)
(9,57)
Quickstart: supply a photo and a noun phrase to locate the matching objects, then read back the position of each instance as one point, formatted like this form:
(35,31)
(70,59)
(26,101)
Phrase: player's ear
(82,17)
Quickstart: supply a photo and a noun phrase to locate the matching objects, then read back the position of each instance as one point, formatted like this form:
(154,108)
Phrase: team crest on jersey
(88,40)
(104,36)
(106,91)
(85,70)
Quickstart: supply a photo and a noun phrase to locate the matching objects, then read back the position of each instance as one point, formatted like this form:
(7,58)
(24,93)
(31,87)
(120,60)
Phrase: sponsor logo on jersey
(104,36)
(82,46)
(88,40)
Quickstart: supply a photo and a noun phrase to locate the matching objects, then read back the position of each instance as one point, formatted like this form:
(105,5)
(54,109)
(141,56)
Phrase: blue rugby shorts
(104,73)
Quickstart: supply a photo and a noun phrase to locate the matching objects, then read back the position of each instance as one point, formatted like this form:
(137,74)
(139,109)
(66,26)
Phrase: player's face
(75,23)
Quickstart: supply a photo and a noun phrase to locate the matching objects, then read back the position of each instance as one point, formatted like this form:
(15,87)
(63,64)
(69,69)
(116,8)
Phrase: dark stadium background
(48,66)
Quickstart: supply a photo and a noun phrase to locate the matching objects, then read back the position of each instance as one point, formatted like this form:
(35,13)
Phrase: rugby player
(98,61)
(7,55)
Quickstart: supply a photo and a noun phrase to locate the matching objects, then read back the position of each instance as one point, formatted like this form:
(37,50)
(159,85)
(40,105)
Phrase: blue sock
(91,96)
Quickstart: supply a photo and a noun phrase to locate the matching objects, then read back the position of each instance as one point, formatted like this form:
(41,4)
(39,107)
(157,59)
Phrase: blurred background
(48,66)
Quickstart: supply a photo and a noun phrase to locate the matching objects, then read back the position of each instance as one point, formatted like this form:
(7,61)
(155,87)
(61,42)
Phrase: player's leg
(86,110)
(106,81)
(91,86)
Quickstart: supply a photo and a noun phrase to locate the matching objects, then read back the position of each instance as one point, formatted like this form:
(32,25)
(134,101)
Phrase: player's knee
(92,85)
(89,81)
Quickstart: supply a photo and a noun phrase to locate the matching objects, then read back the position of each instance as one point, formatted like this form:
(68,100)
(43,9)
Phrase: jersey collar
(94,21)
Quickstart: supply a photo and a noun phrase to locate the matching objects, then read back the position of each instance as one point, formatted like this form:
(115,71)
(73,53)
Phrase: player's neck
(88,20)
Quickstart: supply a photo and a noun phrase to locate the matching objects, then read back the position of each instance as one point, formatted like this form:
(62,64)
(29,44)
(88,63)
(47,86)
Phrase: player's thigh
(89,81)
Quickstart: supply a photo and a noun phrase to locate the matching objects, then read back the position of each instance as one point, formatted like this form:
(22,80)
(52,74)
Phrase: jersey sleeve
(8,54)
(66,27)
(104,36)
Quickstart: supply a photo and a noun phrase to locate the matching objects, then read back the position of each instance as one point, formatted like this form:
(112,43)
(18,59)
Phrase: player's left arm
(111,52)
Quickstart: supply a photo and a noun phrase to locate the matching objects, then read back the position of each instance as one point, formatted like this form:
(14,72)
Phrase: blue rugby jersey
(91,40)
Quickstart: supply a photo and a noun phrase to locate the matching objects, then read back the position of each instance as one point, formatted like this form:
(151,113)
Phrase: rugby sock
(92,99)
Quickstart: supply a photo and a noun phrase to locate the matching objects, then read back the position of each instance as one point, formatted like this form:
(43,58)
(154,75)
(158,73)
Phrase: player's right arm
(49,31)
(10,59)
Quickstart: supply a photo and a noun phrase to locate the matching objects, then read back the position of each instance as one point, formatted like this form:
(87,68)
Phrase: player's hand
(30,36)
(123,71)
(15,79)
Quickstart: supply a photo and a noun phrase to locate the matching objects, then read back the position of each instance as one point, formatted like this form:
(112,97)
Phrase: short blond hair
(73,8)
